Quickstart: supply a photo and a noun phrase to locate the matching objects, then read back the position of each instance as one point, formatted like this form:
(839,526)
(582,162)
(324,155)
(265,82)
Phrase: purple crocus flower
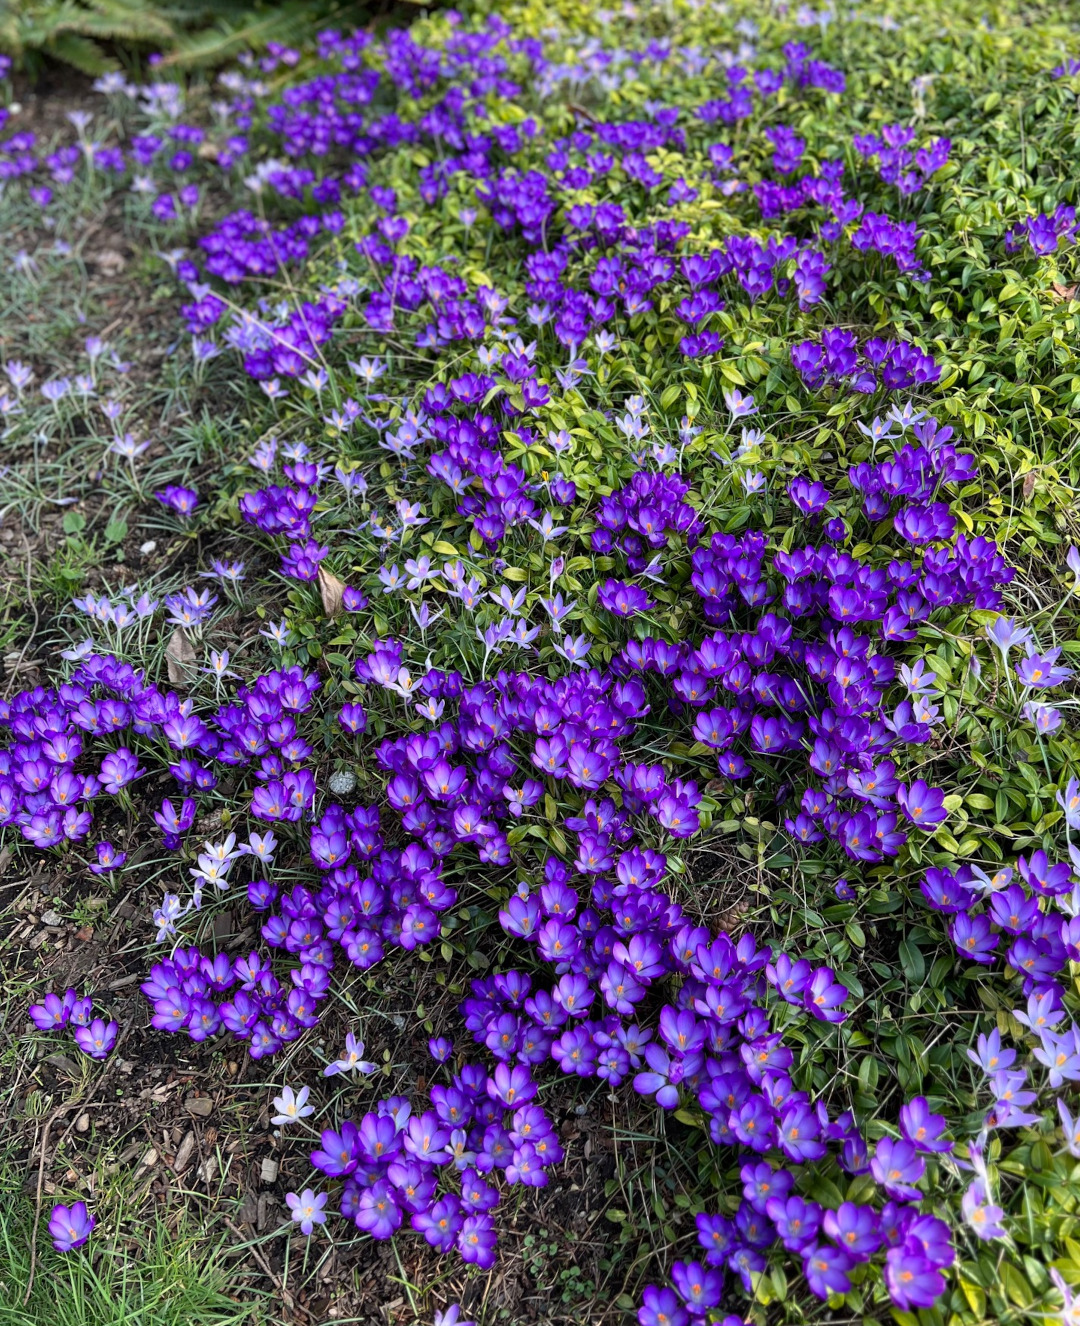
(661,1307)
(377,1212)
(973,937)
(440,1049)
(826,1270)
(697,1286)
(824,994)
(622,599)
(307,1209)
(922,804)
(108,858)
(1040,671)
(476,1241)
(898,1167)
(118,769)
(181,500)
(990,1055)
(70,1226)
(655,1081)
(922,1128)
(1005,633)
(981,1215)
(98,1039)
(54,1011)
(441,1223)
(913,1281)
(854,1228)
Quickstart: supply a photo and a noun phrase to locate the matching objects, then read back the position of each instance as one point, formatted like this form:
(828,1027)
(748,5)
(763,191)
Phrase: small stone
(201,1105)
(82,1123)
(148,547)
(110,262)
(342,782)
(51,918)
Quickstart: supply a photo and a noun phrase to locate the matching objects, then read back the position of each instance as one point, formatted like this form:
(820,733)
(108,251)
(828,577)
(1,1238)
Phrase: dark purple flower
(854,1229)
(97,1039)
(660,1307)
(377,1213)
(826,1270)
(922,1128)
(898,1167)
(913,1281)
(108,858)
(824,995)
(70,1226)
(54,1011)
(476,1241)
(181,500)
(622,599)
(922,804)
(697,1286)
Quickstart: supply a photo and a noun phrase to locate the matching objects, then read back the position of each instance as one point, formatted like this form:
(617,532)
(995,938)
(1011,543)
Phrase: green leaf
(912,961)
(1016,1286)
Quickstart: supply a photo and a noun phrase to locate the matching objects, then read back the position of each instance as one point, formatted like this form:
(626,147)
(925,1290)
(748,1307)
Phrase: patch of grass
(164,1271)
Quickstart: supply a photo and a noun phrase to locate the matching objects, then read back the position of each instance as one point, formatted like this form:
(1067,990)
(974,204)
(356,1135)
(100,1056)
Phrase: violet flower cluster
(1043,233)
(94,1036)
(896,162)
(444,1168)
(838,359)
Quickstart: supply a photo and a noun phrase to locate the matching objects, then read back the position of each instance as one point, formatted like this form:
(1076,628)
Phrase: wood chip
(268,1171)
(184,1153)
(180,658)
(331,589)
(150,1159)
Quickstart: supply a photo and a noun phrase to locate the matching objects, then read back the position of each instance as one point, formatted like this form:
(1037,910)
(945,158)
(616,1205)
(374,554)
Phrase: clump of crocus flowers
(790,668)
(93,1035)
